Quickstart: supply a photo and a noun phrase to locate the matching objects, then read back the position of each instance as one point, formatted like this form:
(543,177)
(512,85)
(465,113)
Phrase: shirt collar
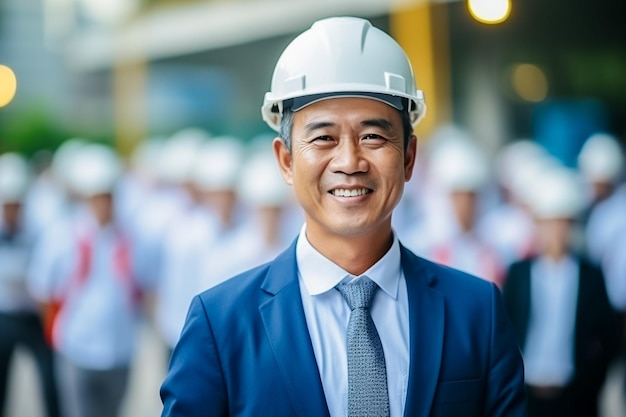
(319,274)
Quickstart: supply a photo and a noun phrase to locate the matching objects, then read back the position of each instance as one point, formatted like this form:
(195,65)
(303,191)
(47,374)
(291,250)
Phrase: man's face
(464,206)
(102,207)
(347,165)
(554,235)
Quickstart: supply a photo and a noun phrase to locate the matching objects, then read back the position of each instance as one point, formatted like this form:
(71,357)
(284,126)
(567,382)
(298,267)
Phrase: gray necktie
(367,374)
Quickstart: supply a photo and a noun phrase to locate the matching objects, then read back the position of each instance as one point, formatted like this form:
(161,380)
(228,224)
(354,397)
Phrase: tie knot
(358,294)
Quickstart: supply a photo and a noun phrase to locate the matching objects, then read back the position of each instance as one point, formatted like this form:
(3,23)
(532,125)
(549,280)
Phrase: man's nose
(349,157)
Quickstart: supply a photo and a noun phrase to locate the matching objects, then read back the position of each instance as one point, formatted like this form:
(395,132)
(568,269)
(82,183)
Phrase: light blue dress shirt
(327,315)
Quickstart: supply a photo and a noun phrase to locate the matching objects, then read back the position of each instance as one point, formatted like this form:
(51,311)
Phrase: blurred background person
(269,201)
(601,162)
(508,225)
(20,322)
(208,221)
(217,172)
(165,202)
(50,198)
(460,168)
(83,273)
(567,329)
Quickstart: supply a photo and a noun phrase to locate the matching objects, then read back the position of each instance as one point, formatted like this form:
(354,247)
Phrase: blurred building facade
(126,70)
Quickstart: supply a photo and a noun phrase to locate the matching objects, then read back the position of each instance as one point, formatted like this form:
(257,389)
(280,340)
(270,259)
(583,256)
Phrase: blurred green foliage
(30,131)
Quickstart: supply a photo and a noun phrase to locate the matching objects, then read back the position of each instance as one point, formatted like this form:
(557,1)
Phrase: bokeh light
(489,11)
(8,85)
(529,82)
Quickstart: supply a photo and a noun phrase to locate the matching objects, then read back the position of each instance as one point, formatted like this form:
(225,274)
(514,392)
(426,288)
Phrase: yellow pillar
(129,90)
(421,29)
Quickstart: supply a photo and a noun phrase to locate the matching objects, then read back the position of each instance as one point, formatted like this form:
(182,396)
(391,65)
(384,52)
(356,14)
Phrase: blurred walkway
(143,397)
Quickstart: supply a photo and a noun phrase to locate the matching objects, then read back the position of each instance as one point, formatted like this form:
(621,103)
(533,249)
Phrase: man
(82,271)
(459,169)
(20,323)
(280,339)
(559,308)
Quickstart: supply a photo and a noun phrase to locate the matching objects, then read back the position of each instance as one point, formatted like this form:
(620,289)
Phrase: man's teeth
(349,193)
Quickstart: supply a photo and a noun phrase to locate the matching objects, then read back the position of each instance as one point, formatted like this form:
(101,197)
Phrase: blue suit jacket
(245,349)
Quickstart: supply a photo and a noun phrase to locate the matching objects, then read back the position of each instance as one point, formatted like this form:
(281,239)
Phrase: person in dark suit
(559,307)
(288,338)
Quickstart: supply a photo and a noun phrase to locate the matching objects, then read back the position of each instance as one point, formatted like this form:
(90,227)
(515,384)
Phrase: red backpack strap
(123,266)
(78,278)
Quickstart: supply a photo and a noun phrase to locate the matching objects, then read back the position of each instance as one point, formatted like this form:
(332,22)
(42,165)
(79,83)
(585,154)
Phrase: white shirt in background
(549,348)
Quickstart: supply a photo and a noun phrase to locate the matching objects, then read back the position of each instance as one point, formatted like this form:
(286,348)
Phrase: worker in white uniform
(207,223)
(20,322)
(166,204)
(424,212)
(508,225)
(82,270)
(460,168)
(268,230)
(217,173)
(49,199)
(601,162)
(140,180)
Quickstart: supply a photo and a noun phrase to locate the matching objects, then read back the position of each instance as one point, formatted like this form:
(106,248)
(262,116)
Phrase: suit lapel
(426,322)
(286,328)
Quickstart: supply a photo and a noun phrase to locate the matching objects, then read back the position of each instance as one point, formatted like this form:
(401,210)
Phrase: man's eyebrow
(309,127)
(380,123)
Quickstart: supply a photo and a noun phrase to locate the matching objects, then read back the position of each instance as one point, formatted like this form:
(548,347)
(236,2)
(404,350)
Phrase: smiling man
(346,321)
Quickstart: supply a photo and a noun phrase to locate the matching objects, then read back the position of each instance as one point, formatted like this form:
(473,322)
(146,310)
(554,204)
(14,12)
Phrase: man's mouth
(343,192)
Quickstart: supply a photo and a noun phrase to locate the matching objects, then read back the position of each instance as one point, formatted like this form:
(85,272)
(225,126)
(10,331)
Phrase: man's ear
(410,155)
(283,157)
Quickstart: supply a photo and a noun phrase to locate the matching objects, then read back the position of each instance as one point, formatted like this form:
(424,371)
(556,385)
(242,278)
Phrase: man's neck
(355,254)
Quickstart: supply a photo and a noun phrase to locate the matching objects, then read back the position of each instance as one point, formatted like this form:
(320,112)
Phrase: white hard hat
(513,159)
(63,157)
(217,164)
(601,158)
(14,177)
(95,169)
(557,193)
(146,156)
(342,56)
(178,153)
(261,183)
(459,165)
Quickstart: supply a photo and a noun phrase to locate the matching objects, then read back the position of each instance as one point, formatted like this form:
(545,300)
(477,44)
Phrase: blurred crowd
(91,244)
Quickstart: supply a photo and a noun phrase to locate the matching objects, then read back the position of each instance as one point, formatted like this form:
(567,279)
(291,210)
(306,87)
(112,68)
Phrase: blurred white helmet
(178,153)
(459,165)
(63,157)
(601,158)
(557,193)
(146,157)
(514,158)
(261,183)
(14,177)
(94,170)
(217,164)
(342,56)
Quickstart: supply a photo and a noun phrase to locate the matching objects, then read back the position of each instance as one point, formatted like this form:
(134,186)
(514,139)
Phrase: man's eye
(373,136)
(322,139)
